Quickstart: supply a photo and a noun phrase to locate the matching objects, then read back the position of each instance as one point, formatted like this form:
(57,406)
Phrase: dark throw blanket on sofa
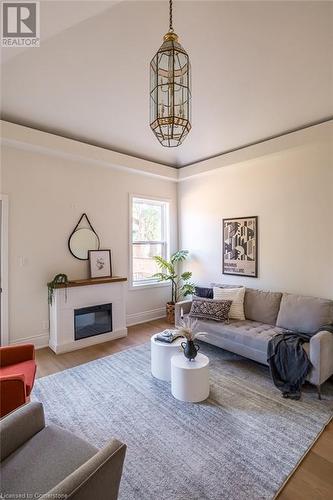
(288,362)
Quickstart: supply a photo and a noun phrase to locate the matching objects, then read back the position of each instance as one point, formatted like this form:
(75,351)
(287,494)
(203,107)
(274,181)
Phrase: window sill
(147,285)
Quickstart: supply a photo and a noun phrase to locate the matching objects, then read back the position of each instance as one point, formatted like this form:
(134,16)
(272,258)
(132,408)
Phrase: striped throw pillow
(237,297)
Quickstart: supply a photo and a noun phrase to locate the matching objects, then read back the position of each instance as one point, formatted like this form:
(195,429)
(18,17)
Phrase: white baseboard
(39,341)
(142,317)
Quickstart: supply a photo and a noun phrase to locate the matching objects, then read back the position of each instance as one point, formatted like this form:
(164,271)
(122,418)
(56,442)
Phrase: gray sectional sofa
(268,313)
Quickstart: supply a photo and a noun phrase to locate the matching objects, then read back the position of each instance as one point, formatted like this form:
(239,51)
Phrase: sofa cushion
(26,368)
(262,306)
(216,310)
(304,314)
(252,334)
(237,297)
(43,462)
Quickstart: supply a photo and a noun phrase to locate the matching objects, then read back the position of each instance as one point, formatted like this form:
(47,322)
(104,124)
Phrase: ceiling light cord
(170,16)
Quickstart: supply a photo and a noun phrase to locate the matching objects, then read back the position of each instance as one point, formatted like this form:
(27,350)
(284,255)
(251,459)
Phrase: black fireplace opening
(93,320)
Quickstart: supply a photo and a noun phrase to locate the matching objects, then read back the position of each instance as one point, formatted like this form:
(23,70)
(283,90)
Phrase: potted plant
(181,286)
(59,279)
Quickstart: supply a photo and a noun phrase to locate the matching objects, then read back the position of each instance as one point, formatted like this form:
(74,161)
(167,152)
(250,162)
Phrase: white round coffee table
(161,354)
(190,379)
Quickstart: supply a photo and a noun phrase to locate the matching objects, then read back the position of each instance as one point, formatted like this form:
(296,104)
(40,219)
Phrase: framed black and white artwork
(100,263)
(240,246)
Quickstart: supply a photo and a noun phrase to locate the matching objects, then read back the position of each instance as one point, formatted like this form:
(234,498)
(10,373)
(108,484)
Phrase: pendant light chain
(170,16)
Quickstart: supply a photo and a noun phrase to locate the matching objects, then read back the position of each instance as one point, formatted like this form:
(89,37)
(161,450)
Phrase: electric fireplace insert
(93,320)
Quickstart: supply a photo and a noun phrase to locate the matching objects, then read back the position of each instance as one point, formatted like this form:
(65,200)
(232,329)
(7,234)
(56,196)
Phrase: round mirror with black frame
(83,239)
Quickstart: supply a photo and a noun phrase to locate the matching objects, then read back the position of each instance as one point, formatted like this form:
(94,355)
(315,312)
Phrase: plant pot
(190,349)
(170,313)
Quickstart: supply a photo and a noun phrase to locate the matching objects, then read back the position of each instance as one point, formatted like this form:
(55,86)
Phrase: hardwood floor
(312,480)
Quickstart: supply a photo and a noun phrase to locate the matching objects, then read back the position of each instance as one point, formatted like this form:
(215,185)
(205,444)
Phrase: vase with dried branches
(187,327)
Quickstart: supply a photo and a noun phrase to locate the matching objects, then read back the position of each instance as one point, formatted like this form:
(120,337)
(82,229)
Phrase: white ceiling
(259,69)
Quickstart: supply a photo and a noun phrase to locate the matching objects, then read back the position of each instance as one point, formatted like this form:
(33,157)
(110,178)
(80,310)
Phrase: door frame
(4,270)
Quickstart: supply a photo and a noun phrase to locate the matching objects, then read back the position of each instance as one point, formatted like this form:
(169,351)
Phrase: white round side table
(190,379)
(161,354)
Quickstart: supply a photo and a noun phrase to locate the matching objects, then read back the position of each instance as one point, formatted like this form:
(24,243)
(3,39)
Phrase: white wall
(291,192)
(47,195)
(286,182)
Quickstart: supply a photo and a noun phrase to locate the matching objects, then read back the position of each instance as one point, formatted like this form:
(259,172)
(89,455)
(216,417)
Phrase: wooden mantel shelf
(91,281)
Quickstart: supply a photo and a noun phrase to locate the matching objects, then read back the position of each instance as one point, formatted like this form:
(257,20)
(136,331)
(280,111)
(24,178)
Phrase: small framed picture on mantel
(240,246)
(100,263)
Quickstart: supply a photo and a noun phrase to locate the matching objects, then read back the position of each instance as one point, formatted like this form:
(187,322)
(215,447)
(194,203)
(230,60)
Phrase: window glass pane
(143,265)
(147,221)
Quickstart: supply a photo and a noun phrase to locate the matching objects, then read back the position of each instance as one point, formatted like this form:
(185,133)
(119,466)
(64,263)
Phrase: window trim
(166,230)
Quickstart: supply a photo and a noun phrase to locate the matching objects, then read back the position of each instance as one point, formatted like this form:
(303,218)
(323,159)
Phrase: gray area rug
(242,443)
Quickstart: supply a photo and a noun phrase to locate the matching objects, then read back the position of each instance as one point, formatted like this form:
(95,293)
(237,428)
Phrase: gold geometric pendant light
(170,91)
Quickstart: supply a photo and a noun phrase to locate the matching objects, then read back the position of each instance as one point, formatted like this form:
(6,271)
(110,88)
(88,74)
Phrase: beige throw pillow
(237,297)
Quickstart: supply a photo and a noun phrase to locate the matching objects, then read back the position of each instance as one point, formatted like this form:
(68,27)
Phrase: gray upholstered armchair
(47,460)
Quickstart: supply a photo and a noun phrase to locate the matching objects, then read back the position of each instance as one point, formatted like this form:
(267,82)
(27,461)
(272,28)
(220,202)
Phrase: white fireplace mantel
(85,293)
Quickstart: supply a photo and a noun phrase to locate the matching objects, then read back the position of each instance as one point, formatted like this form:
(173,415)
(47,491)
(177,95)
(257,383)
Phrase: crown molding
(320,132)
(29,139)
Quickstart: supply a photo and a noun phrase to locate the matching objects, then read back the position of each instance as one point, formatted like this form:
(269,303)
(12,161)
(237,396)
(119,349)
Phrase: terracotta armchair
(17,376)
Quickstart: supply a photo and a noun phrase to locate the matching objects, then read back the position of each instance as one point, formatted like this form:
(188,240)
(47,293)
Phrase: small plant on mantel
(181,284)
(59,279)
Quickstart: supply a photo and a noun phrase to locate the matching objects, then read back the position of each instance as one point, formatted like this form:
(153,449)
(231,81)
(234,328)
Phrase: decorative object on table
(240,246)
(181,286)
(187,328)
(190,349)
(236,295)
(83,239)
(100,263)
(169,336)
(170,91)
(59,279)
(216,310)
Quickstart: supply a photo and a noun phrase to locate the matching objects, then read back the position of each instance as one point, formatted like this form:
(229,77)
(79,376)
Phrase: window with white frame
(149,237)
